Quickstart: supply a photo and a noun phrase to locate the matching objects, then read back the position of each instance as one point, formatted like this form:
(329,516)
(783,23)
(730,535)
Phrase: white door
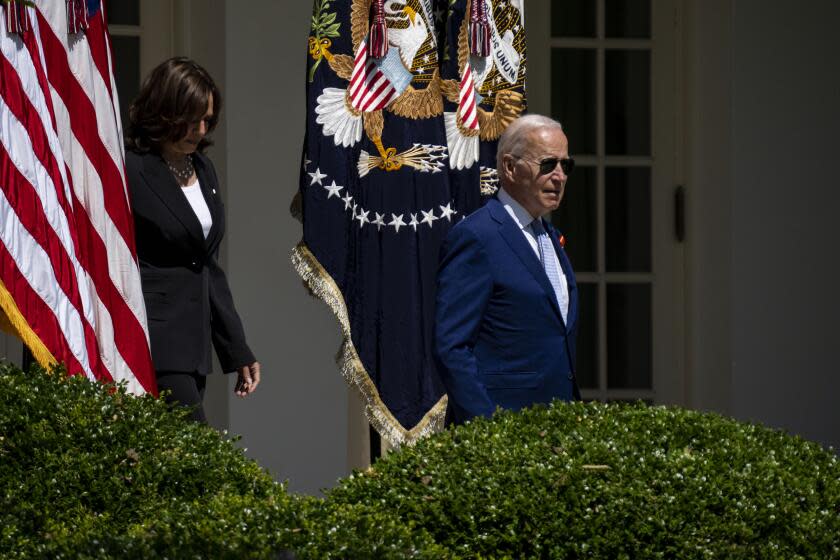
(606,69)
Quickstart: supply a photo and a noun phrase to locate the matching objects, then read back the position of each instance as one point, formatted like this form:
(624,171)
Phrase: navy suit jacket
(188,302)
(500,340)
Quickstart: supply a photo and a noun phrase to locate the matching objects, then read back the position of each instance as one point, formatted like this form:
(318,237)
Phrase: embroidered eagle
(405,82)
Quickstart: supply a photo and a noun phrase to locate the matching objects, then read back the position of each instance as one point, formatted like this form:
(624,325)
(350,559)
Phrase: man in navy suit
(506,316)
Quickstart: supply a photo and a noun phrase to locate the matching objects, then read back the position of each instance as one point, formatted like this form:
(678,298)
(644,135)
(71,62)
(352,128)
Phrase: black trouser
(186,389)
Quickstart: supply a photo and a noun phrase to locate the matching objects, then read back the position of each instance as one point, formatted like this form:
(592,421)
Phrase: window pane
(123,12)
(573,96)
(629,346)
(627,18)
(586,365)
(126,71)
(627,99)
(628,215)
(577,219)
(573,18)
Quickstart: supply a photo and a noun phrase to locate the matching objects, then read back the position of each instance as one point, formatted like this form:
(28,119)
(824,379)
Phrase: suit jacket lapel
(163,184)
(514,237)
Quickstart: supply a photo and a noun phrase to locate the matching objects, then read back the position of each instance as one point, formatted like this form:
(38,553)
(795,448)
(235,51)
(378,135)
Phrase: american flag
(370,88)
(69,280)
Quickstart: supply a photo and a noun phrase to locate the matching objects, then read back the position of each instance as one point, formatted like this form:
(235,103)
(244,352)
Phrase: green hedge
(88,472)
(612,481)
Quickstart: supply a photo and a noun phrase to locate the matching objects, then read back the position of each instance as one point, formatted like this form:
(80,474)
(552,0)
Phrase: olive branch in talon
(426,158)
(323,27)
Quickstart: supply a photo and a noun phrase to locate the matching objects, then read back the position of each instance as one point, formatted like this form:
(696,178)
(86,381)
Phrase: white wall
(708,118)
(785,205)
(763,197)
(296,423)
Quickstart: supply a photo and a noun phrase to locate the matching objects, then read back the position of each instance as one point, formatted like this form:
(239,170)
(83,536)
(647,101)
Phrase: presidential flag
(69,280)
(380,186)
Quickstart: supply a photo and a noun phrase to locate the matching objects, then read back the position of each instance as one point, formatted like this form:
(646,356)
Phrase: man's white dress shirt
(523,219)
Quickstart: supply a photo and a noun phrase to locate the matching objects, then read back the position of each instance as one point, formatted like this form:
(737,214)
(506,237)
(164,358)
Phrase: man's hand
(248,379)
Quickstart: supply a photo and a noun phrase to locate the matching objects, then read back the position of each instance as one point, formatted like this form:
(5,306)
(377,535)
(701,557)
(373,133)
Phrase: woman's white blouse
(199,206)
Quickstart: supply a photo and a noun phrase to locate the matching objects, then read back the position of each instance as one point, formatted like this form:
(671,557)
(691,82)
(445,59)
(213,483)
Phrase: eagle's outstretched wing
(509,105)
(342,65)
(420,103)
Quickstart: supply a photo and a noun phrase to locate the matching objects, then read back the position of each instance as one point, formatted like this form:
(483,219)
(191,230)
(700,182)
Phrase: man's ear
(508,164)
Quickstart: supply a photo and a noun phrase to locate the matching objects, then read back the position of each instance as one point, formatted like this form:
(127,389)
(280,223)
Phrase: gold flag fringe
(321,285)
(13,322)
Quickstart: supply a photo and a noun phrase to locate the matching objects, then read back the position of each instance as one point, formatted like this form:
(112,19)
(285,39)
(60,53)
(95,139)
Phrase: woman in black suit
(179,224)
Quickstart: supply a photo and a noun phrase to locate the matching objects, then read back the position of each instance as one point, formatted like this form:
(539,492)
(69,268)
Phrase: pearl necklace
(184,171)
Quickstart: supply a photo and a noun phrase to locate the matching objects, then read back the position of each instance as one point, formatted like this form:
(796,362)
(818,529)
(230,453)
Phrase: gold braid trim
(13,322)
(321,285)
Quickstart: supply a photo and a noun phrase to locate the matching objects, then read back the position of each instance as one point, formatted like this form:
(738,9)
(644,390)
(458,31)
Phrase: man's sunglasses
(550,164)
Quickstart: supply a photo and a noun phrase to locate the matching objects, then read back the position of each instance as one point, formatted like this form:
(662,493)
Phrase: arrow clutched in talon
(426,158)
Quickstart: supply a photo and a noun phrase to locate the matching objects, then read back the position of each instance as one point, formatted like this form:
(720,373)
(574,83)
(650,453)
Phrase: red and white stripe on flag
(466,100)
(69,280)
(370,89)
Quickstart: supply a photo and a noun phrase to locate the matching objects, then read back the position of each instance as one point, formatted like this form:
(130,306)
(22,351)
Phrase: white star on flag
(414,223)
(397,221)
(378,222)
(428,217)
(317,176)
(333,190)
(306,162)
(347,200)
(362,217)
(447,211)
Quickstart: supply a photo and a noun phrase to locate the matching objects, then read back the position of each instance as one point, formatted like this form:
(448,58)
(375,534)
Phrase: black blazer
(188,301)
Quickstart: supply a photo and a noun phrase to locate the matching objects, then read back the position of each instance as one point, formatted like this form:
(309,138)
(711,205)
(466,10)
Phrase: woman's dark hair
(174,95)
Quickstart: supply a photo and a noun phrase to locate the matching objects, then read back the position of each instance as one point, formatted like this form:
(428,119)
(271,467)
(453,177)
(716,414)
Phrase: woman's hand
(249,378)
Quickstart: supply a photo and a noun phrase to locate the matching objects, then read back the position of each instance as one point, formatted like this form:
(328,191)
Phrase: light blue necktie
(549,263)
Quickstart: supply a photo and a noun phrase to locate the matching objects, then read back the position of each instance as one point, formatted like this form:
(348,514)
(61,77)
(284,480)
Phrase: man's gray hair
(516,135)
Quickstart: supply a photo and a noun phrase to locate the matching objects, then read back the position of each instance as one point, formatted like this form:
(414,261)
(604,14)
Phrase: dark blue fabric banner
(389,165)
